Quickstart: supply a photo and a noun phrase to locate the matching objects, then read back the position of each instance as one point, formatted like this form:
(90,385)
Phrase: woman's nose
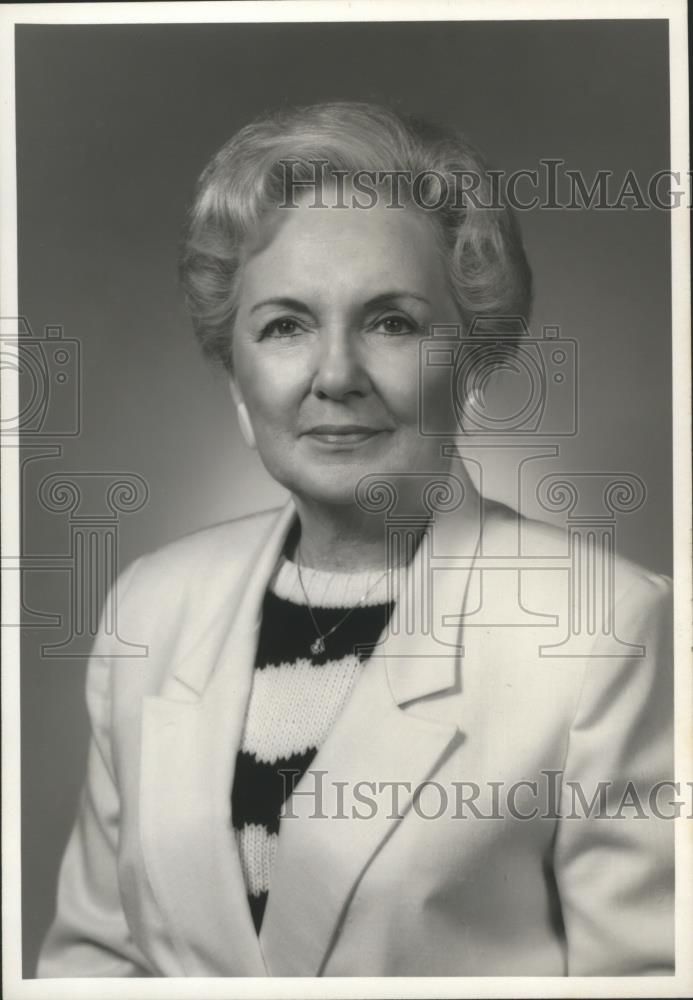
(339,369)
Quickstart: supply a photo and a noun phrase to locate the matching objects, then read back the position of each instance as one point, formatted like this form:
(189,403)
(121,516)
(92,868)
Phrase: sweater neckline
(326,589)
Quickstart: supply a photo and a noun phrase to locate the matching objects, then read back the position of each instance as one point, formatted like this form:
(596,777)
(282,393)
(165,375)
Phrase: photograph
(346,500)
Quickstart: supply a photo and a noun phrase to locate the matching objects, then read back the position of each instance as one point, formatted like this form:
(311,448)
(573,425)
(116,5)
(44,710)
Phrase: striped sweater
(295,698)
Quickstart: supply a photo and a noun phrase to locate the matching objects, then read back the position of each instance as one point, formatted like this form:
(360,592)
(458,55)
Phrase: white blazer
(151,883)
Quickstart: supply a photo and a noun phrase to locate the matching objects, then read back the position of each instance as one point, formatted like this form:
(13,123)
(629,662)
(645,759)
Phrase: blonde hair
(488,272)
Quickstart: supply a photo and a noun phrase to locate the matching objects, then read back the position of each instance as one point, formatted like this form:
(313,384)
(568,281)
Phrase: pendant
(318,646)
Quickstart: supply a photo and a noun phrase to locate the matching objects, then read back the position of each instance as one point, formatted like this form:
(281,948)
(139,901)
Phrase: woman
(326,767)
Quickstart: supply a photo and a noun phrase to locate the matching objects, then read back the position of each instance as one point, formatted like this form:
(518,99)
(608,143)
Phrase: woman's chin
(332,486)
(331,493)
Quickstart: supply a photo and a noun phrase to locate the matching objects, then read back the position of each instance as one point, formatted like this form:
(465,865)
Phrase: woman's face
(332,309)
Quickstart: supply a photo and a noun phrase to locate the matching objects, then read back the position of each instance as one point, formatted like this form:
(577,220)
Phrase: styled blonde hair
(487,269)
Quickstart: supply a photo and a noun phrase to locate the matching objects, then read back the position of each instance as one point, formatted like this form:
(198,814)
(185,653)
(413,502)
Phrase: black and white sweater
(295,698)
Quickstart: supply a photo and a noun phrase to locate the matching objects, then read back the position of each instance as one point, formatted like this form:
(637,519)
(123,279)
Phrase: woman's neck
(344,538)
(338,539)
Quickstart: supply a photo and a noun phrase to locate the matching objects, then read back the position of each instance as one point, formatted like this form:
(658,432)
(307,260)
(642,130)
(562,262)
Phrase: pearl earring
(245,425)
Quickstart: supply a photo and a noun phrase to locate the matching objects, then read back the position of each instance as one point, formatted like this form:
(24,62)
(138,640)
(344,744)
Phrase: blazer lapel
(190,736)
(320,859)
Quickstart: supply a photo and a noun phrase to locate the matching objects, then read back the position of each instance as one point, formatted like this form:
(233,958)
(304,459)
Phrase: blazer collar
(422,649)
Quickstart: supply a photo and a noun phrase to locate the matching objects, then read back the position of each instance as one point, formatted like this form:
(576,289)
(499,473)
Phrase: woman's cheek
(270,388)
(395,378)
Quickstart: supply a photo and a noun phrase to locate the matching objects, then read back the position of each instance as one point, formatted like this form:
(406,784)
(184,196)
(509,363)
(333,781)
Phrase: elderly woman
(343,755)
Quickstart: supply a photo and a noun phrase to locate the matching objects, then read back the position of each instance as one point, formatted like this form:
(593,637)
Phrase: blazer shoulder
(200,550)
(169,596)
(230,539)
(549,543)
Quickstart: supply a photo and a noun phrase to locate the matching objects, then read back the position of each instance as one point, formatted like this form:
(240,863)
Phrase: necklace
(318,644)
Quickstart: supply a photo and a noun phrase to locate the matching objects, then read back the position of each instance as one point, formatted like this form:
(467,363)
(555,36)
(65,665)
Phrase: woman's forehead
(308,246)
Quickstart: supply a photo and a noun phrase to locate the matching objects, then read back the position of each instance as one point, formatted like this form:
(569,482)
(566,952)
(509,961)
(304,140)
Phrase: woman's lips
(342,434)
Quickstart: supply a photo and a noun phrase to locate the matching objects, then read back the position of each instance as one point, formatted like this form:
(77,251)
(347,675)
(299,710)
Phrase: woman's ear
(242,414)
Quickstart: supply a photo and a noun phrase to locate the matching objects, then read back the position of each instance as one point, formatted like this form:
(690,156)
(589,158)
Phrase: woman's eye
(395,325)
(283,327)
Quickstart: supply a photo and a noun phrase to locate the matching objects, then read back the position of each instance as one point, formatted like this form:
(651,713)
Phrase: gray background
(114,123)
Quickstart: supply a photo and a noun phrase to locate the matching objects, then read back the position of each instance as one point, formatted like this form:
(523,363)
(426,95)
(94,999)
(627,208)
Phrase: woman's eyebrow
(283,301)
(386,297)
(382,299)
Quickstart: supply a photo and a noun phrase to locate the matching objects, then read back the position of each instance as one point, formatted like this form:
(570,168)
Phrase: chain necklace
(318,644)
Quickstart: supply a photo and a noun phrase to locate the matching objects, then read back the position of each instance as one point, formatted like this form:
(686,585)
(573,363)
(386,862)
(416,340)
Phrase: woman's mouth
(342,434)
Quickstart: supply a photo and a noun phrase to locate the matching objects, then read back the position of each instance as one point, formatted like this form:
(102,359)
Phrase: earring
(245,425)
